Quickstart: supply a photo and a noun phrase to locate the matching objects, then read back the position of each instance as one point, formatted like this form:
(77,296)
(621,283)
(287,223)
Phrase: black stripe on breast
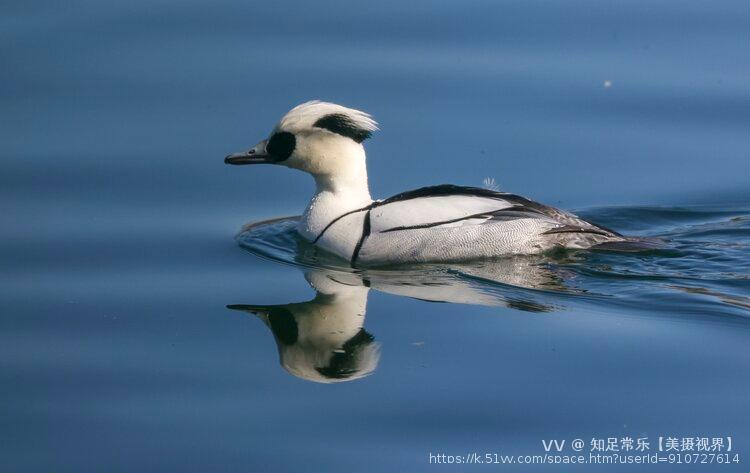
(365,234)
(368,207)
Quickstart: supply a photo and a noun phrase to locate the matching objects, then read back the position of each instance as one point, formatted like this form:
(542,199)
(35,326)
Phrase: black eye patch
(342,125)
(281,145)
(283,325)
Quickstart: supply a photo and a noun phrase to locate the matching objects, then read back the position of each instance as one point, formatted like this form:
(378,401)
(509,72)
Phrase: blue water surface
(118,219)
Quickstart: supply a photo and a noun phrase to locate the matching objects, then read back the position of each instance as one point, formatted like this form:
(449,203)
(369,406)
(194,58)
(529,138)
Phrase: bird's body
(452,223)
(432,224)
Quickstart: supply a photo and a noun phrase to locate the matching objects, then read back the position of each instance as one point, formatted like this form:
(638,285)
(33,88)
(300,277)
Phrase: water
(118,257)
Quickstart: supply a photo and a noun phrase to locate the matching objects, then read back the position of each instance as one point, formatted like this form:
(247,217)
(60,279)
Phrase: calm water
(118,256)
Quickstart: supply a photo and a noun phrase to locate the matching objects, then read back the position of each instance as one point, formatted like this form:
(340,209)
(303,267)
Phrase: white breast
(341,238)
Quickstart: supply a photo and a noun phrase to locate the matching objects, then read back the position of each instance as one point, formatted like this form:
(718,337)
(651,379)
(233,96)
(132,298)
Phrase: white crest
(305,115)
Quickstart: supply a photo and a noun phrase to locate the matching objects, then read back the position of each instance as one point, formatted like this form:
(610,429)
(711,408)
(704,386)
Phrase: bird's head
(324,339)
(323,139)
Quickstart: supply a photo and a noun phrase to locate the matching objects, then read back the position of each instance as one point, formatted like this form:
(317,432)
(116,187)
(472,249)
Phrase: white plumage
(303,116)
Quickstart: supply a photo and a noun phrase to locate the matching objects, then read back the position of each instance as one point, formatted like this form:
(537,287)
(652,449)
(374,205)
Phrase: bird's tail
(632,245)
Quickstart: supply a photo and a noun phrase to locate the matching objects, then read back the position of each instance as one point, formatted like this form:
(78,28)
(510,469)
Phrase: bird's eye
(281,145)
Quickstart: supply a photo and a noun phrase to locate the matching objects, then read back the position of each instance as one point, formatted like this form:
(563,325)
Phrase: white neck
(336,194)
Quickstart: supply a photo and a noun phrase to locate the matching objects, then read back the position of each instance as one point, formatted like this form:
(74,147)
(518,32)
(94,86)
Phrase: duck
(436,224)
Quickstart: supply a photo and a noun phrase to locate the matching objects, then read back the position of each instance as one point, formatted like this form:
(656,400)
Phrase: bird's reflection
(324,339)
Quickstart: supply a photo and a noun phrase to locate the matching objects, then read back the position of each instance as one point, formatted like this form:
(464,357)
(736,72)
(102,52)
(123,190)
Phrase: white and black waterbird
(433,224)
